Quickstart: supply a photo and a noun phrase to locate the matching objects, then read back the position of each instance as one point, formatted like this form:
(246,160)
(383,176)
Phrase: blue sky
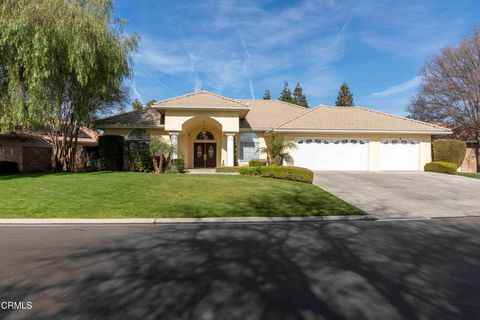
(238,48)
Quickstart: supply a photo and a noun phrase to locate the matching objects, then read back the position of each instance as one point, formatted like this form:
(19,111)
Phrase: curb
(184,220)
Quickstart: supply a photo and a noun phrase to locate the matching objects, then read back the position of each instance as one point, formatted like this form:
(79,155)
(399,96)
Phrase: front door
(205,155)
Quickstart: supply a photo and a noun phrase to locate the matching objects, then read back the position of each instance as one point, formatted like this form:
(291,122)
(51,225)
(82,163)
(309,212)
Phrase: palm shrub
(160,151)
(277,151)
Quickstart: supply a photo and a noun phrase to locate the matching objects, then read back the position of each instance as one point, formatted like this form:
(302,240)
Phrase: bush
(280,172)
(178,165)
(441,167)
(256,163)
(250,171)
(227,169)
(110,149)
(8,167)
(447,150)
(139,156)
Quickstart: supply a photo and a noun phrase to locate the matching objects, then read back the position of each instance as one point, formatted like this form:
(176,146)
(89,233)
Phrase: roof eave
(430,132)
(136,126)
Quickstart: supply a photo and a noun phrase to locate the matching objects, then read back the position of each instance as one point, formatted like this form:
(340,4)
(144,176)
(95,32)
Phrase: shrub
(250,171)
(448,150)
(178,165)
(8,167)
(139,156)
(110,149)
(441,167)
(227,169)
(256,163)
(280,172)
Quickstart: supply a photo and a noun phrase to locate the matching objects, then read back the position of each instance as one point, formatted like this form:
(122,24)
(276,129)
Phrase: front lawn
(470,175)
(129,194)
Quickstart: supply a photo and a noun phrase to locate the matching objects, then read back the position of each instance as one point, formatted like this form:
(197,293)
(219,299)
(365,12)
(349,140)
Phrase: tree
(277,150)
(137,105)
(299,97)
(266,95)
(150,103)
(160,151)
(286,94)
(450,88)
(62,62)
(345,97)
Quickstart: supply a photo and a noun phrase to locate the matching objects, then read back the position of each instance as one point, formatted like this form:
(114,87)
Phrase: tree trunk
(155,164)
(160,167)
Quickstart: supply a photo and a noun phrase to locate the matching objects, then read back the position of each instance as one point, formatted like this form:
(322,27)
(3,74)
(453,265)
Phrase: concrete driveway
(387,195)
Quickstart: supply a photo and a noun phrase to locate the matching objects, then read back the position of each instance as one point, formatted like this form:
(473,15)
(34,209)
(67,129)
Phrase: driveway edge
(47,221)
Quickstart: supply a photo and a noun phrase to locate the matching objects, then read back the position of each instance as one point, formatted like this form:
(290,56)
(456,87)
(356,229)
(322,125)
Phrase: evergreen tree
(286,94)
(299,97)
(266,95)
(345,97)
(137,105)
(149,103)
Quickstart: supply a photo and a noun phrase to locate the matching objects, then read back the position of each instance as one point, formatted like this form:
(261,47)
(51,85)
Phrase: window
(138,135)
(205,135)
(249,146)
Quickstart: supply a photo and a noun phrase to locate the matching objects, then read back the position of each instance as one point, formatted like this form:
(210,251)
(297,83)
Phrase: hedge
(8,167)
(280,172)
(441,167)
(447,150)
(110,149)
(256,163)
(227,169)
(178,165)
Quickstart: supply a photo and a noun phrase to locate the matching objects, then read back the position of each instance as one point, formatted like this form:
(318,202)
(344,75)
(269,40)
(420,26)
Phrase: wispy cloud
(399,88)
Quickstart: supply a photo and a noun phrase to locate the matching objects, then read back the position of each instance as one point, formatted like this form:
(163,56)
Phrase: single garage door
(331,154)
(399,154)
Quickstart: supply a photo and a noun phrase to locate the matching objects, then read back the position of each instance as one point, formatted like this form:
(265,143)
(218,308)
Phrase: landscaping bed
(142,195)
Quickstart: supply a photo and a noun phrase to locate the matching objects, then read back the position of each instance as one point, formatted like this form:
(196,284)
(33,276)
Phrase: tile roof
(355,119)
(141,118)
(269,113)
(200,99)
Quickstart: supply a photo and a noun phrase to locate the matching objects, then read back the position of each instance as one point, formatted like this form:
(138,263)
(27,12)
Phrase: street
(336,270)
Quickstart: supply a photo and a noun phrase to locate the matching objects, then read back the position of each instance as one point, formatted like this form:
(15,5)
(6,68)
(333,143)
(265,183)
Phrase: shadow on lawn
(275,271)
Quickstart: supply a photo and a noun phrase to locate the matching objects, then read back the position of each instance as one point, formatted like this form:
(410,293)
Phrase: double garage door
(351,154)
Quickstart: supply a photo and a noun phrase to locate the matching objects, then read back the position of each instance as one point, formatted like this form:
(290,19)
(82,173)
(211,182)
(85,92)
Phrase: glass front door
(205,155)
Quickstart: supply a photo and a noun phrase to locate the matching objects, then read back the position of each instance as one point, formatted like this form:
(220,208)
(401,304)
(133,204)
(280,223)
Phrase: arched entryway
(203,146)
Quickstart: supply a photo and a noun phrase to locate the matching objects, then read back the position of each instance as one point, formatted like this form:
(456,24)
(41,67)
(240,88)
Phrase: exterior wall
(374,144)
(175,119)
(30,154)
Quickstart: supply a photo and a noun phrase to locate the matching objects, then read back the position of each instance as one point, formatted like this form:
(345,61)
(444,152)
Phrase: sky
(238,48)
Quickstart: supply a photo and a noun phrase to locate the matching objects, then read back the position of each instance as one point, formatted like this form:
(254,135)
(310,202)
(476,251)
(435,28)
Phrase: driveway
(387,195)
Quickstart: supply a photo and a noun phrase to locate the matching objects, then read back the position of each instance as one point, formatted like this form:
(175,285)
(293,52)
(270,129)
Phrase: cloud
(399,88)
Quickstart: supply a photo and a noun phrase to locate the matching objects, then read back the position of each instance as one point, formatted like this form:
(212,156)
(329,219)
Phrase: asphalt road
(336,270)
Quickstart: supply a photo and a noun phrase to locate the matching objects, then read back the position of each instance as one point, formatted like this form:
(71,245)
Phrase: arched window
(205,135)
(138,135)
(249,146)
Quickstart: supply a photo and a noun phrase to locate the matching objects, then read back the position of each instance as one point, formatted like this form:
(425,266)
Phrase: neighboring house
(32,151)
(210,130)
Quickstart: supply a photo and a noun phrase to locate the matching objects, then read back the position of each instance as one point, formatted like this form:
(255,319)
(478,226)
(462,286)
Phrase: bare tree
(450,89)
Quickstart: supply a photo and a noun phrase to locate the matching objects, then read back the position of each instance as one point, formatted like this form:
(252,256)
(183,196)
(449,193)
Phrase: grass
(470,175)
(135,195)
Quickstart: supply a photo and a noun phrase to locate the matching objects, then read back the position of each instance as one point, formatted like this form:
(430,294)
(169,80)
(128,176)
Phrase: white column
(174,140)
(230,149)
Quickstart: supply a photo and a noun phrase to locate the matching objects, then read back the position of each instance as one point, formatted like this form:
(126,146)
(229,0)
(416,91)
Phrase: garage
(345,154)
(399,154)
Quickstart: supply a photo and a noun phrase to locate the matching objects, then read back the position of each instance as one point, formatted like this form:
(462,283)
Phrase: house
(211,130)
(32,150)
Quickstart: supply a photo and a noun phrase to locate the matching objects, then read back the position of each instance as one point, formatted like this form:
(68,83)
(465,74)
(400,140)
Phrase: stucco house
(211,130)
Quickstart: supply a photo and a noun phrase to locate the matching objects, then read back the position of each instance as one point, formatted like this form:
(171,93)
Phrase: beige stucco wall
(175,119)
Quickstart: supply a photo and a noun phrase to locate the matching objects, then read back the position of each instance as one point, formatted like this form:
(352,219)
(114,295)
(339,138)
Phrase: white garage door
(331,154)
(400,154)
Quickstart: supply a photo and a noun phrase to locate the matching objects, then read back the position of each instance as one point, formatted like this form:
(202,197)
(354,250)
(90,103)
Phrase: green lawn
(470,175)
(129,194)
